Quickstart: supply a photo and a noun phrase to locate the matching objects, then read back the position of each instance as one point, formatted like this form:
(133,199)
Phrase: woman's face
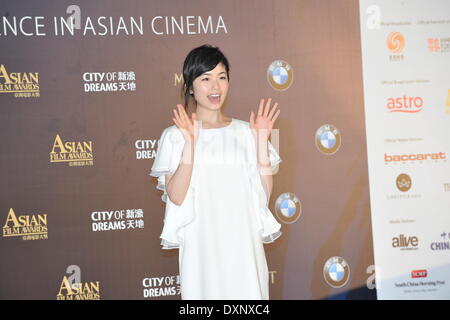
(211,88)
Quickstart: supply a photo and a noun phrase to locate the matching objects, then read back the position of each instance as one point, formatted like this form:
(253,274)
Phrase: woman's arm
(265,172)
(261,126)
(177,184)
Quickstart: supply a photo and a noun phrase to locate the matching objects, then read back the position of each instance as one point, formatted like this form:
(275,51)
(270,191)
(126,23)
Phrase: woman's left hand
(265,119)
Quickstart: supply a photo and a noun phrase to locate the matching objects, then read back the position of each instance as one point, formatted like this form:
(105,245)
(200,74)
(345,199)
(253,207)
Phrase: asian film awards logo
(21,84)
(76,153)
(72,288)
(29,227)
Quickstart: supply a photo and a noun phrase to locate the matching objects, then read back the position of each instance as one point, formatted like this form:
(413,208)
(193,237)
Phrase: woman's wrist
(262,155)
(188,153)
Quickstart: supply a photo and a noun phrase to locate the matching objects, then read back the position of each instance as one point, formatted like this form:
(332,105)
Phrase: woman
(217,186)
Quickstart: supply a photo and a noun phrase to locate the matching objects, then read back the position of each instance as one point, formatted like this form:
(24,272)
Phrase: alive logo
(405,243)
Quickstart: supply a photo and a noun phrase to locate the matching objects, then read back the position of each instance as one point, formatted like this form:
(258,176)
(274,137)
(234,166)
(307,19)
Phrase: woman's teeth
(215,98)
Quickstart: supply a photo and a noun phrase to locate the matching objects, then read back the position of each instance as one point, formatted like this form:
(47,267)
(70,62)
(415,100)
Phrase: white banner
(406,71)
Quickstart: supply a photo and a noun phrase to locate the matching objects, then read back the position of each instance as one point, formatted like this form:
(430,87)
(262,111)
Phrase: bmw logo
(328,139)
(288,208)
(336,272)
(280,75)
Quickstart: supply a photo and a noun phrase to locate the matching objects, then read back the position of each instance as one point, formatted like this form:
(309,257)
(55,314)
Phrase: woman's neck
(211,118)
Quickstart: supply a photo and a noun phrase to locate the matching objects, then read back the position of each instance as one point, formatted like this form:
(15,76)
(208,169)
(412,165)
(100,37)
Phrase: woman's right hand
(188,126)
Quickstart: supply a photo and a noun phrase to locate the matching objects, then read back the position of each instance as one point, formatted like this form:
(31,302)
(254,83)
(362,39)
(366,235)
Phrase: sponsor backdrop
(86,90)
(406,63)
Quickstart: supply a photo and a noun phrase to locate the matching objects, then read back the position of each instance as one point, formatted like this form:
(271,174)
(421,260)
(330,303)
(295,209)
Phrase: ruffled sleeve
(167,160)
(274,158)
(269,226)
(168,157)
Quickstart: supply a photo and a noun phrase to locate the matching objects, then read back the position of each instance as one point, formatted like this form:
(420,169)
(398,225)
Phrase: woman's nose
(215,84)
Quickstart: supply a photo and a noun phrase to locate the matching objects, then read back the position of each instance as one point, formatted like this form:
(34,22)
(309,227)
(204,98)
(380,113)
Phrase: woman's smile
(214,98)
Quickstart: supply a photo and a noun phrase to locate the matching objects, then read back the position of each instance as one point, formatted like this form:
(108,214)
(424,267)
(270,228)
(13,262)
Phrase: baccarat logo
(415,158)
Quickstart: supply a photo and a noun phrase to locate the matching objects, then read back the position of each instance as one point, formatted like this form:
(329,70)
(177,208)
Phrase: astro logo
(288,207)
(395,42)
(328,139)
(405,104)
(280,75)
(336,272)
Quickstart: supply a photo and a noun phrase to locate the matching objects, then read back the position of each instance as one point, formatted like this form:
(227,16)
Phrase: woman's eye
(205,79)
(223,78)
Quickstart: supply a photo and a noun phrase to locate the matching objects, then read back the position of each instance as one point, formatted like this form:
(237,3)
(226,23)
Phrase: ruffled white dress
(224,220)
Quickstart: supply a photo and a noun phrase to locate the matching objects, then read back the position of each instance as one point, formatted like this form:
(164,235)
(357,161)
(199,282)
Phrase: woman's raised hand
(263,124)
(188,126)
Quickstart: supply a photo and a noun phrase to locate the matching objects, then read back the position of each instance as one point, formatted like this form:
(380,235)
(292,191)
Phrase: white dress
(224,220)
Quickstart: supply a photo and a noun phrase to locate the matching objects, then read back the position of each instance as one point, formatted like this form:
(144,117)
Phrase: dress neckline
(229,125)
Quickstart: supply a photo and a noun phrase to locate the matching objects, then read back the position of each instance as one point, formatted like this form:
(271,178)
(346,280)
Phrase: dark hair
(200,60)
